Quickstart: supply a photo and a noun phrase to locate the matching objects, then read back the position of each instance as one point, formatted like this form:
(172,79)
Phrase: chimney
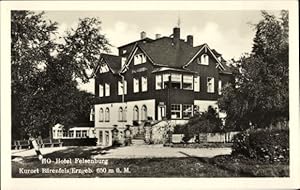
(176,34)
(143,35)
(157,36)
(190,40)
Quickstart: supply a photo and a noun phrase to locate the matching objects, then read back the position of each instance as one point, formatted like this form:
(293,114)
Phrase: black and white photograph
(151,93)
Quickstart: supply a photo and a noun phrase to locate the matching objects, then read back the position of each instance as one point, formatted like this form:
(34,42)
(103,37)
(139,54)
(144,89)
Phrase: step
(138,142)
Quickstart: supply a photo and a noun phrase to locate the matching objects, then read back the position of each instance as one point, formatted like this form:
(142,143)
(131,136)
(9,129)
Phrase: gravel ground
(137,151)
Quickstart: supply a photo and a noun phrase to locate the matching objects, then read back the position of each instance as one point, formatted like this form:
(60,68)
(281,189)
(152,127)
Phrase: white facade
(58,132)
(118,114)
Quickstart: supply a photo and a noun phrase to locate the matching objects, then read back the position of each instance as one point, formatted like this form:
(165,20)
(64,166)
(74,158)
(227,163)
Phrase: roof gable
(113,62)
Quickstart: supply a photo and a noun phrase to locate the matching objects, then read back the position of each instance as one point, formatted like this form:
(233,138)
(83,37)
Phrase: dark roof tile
(113,61)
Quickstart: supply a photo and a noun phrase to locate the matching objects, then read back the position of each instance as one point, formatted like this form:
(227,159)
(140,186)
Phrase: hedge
(268,145)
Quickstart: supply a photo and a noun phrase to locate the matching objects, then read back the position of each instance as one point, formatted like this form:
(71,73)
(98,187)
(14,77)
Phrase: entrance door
(161,112)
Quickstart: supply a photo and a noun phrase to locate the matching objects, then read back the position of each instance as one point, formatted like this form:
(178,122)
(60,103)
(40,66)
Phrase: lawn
(220,166)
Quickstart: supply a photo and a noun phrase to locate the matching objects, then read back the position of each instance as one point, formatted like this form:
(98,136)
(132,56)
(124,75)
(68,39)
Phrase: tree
(44,73)
(30,48)
(259,97)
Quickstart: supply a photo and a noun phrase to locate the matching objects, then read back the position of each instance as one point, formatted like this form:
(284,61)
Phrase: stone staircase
(138,139)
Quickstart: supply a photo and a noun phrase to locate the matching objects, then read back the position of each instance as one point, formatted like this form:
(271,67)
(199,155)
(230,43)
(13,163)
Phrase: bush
(268,145)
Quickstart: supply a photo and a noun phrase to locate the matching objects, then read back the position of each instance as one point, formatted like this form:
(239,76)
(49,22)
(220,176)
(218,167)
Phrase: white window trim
(139,58)
(177,81)
(136,85)
(192,82)
(144,84)
(197,78)
(101,90)
(178,111)
(202,60)
(107,89)
(213,85)
(157,87)
(220,87)
(101,115)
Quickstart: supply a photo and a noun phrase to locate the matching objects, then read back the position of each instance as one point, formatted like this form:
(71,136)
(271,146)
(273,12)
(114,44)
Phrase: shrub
(268,145)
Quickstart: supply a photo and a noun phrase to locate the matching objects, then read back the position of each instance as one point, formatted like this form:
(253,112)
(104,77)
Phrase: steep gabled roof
(113,62)
(138,41)
(164,51)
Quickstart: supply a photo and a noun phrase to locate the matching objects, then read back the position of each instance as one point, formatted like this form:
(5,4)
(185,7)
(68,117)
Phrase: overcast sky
(229,32)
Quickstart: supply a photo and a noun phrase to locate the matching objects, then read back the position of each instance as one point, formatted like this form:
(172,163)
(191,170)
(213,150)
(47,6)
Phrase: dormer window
(204,59)
(139,59)
(123,61)
(104,68)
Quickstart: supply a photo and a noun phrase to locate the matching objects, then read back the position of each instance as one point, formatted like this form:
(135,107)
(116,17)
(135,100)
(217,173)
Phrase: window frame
(120,114)
(107,89)
(220,87)
(175,81)
(101,115)
(144,81)
(183,82)
(197,78)
(158,85)
(136,85)
(176,110)
(212,84)
(135,110)
(184,111)
(107,115)
(144,113)
(101,90)
(204,59)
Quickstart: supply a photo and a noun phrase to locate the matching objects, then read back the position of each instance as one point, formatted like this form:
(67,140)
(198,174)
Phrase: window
(121,87)
(176,81)
(220,87)
(144,115)
(78,134)
(210,85)
(101,115)
(101,90)
(104,68)
(135,85)
(124,51)
(107,89)
(187,82)
(120,114)
(197,84)
(175,111)
(92,115)
(107,115)
(158,84)
(204,59)
(125,114)
(166,79)
(84,133)
(123,61)
(65,133)
(139,59)
(144,84)
(135,113)
(187,111)
(71,133)
(101,137)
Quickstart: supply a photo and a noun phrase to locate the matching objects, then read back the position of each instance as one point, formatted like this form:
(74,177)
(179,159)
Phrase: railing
(26,144)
